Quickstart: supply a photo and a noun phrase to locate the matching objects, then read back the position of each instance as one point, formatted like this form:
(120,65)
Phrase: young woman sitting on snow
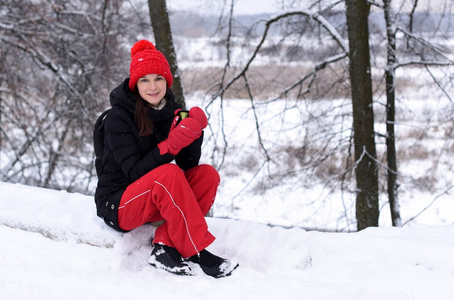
(138,183)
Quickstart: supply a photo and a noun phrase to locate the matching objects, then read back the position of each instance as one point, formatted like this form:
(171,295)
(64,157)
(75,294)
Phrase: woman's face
(152,88)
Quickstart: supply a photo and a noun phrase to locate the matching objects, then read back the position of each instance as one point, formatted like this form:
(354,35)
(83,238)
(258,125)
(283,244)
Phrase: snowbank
(54,247)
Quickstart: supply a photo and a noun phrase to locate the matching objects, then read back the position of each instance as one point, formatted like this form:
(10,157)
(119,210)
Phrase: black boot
(213,265)
(169,259)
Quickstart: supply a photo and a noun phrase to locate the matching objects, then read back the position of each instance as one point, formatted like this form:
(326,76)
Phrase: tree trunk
(164,43)
(390,116)
(367,210)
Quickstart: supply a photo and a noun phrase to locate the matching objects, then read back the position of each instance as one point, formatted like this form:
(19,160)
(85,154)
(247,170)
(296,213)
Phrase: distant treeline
(192,24)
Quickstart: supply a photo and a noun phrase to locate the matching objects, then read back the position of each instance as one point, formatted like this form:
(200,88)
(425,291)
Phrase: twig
(427,207)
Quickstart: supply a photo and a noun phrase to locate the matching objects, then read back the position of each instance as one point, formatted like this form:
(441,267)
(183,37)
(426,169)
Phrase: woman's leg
(204,181)
(166,193)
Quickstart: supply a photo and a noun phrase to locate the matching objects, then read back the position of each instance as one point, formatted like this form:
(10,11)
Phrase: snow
(54,247)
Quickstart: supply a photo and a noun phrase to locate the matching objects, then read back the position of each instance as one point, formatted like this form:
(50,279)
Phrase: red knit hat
(145,59)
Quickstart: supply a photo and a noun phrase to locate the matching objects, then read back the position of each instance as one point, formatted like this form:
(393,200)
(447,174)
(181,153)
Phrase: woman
(139,184)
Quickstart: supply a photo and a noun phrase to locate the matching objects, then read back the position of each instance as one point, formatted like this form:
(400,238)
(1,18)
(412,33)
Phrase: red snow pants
(181,199)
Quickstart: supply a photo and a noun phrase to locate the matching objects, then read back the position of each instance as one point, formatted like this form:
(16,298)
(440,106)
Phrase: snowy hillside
(54,247)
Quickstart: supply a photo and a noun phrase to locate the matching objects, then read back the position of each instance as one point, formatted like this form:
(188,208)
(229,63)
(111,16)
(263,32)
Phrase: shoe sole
(228,272)
(182,271)
(216,273)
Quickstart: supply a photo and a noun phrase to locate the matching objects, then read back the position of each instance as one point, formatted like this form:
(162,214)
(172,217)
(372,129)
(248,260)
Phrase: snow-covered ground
(54,247)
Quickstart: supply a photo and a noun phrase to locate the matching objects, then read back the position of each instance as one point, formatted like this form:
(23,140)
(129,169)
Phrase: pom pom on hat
(141,46)
(145,59)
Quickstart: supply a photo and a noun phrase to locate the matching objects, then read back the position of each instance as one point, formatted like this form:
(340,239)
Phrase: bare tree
(296,29)
(61,57)
(302,22)
(164,42)
(390,115)
(366,170)
(427,54)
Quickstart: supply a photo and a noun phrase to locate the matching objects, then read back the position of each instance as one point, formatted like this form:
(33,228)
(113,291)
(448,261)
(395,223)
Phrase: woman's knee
(208,172)
(212,173)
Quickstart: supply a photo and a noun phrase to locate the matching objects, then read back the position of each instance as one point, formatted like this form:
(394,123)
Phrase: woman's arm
(189,157)
(122,141)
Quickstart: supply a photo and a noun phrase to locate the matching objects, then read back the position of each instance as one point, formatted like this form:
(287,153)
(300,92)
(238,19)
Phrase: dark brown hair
(141,116)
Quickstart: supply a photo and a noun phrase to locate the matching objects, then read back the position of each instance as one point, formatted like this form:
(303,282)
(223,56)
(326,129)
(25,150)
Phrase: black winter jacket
(127,157)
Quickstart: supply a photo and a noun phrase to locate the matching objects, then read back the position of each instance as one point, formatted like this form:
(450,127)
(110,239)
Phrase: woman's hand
(198,114)
(182,135)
